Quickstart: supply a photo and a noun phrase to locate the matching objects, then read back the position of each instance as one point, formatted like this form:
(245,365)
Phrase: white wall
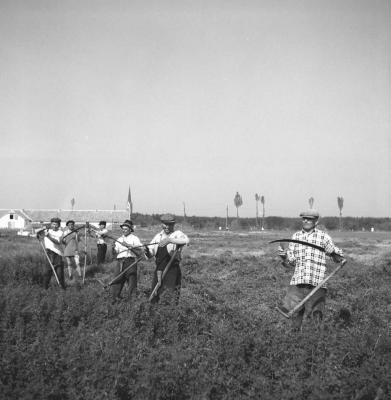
(17,222)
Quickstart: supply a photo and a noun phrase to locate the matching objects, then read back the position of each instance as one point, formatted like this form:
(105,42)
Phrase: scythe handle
(315,289)
(112,282)
(51,265)
(74,231)
(85,251)
(154,292)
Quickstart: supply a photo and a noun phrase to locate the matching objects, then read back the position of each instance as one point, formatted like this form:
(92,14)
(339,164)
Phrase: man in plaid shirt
(310,269)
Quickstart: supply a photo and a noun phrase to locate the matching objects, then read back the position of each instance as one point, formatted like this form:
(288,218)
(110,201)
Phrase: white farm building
(14,219)
(26,219)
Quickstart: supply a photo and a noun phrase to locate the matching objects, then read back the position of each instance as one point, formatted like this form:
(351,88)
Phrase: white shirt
(56,248)
(123,251)
(99,234)
(170,247)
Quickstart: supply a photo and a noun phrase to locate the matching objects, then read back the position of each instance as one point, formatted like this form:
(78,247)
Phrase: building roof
(44,215)
(19,213)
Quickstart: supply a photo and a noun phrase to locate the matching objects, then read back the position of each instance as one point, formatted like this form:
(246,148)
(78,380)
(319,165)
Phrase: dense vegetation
(223,341)
(271,222)
(213,223)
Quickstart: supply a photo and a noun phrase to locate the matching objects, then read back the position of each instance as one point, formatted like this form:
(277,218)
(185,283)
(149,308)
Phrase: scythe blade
(300,242)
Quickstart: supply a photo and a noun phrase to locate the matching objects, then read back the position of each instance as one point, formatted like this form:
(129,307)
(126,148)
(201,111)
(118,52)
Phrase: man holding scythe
(101,235)
(309,261)
(52,243)
(71,250)
(125,258)
(166,247)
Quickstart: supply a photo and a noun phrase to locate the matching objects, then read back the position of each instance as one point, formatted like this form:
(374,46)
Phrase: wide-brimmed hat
(310,214)
(56,219)
(167,219)
(127,223)
(71,221)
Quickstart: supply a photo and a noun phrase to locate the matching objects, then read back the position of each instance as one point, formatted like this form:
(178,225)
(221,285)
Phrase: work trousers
(102,248)
(313,308)
(58,265)
(171,285)
(130,277)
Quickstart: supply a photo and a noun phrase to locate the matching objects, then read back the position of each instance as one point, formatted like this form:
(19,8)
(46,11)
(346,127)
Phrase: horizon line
(179,215)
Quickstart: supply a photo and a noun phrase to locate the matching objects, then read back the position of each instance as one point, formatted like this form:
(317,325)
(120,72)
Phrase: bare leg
(77,263)
(69,265)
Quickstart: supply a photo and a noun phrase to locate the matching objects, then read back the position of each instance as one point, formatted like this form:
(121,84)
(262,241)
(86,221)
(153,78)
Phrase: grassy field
(223,341)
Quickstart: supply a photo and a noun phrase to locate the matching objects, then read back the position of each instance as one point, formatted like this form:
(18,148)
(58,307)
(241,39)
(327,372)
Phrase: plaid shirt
(310,263)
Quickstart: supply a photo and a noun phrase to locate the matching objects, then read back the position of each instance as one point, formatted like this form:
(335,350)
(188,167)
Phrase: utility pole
(226,220)
(263,211)
(112,217)
(184,212)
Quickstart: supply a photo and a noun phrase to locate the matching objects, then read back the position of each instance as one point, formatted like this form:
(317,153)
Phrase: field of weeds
(223,341)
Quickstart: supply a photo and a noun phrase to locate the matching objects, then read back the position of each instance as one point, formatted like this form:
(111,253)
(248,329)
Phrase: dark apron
(163,257)
(173,277)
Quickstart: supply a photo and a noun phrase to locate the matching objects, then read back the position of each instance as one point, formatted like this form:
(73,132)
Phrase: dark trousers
(100,258)
(58,265)
(171,285)
(130,277)
(313,308)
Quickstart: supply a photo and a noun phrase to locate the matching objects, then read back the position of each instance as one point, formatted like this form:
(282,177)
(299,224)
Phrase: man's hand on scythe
(41,233)
(282,253)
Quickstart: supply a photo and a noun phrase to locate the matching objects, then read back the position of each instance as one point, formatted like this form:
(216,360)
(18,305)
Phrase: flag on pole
(129,204)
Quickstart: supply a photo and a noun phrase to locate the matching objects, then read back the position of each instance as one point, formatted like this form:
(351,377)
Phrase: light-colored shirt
(130,240)
(99,234)
(56,248)
(71,243)
(310,263)
(170,247)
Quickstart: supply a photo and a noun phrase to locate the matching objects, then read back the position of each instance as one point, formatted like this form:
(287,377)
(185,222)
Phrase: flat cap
(309,214)
(167,219)
(71,221)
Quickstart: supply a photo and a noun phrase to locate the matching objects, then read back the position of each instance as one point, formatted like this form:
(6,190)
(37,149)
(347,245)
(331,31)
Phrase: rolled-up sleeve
(330,247)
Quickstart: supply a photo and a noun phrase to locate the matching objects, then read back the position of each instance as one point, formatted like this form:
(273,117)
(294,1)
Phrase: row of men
(128,249)
(304,254)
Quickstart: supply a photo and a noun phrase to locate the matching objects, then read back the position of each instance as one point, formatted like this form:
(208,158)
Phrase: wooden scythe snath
(114,280)
(289,313)
(85,252)
(155,290)
(51,265)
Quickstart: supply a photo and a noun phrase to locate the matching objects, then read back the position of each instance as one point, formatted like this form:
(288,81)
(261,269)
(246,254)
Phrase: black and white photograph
(195,199)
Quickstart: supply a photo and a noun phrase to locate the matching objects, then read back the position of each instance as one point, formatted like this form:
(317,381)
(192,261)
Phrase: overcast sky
(191,101)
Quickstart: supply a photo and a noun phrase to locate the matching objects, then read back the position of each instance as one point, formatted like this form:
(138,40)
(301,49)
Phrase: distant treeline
(272,222)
